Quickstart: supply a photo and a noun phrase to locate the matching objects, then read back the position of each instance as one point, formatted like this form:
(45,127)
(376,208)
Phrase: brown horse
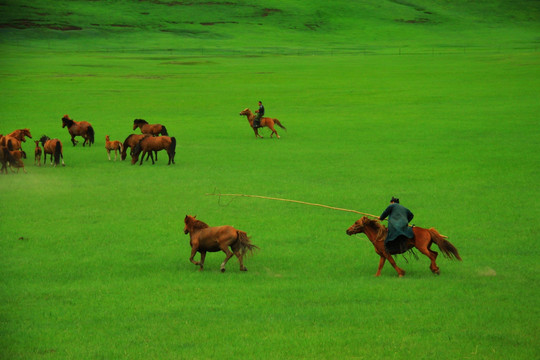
(423,238)
(265,121)
(16,138)
(37,154)
(112,145)
(151,143)
(150,129)
(132,141)
(11,157)
(204,238)
(79,128)
(54,148)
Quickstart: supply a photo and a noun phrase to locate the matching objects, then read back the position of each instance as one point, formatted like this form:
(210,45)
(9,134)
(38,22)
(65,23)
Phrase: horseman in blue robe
(398,226)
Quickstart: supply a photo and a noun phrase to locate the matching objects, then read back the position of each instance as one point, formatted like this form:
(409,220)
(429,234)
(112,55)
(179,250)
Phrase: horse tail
(164,130)
(278,123)
(172,147)
(90,133)
(448,249)
(245,243)
(57,152)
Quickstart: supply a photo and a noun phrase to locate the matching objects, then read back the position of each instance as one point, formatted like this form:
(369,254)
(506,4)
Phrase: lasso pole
(297,202)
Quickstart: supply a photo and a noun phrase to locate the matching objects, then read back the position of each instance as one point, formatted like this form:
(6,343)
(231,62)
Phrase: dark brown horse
(16,138)
(265,121)
(204,238)
(79,128)
(132,141)
(423,239)
(150,129)
(54,148)
(150,143)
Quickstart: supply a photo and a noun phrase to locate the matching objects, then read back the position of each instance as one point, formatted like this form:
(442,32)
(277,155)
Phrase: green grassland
(434,102)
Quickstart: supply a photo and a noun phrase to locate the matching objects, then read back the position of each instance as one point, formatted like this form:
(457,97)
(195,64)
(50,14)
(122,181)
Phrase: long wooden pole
(298,202)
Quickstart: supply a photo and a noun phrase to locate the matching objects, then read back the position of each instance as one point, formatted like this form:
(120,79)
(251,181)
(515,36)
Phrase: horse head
(66,121)
(188,221)
(193,225)
(357,227)
(375,228)
(246,112)
(135,151)
(138,122)
(26,132)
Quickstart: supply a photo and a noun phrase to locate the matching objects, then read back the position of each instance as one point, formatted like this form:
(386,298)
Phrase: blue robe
(398,222)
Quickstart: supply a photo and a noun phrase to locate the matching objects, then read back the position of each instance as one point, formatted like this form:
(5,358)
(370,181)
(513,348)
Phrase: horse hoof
(222,270)
(243,269)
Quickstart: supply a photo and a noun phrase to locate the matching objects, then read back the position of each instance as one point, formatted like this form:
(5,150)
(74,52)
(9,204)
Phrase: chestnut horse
(16,138)
(265,121)
(79,128)
(204,238)
(112,145)
(423,238)
(132,141)
(151,143)
(54,148)
(151,129)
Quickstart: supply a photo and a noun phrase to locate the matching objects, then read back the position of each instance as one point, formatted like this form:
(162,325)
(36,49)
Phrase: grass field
(93,258)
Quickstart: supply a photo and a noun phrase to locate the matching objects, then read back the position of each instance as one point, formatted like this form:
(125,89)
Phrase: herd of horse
(203,238)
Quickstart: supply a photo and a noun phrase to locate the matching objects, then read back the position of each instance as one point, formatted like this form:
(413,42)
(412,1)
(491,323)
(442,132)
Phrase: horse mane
(377,226)
(44,139)
(140,121)
(195,224)
(199,225)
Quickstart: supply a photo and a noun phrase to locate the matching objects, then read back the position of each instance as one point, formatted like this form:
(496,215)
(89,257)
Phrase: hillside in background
(269,26)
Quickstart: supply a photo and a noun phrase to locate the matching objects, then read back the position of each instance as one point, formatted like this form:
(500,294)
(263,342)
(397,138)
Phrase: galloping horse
(423,238)
(16,138)
(151,129)
(79,128)
(112,145)
(54,148)
(151,143)
(203,238)
(265,121)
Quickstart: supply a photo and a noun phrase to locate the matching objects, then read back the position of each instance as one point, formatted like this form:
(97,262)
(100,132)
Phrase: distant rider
(398,226)
(260,114)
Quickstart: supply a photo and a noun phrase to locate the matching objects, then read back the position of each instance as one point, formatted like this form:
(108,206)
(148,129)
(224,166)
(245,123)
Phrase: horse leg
(193,252)
(229,254)
(382,260)
(73,140)
(273,131)
(432,255)
(109,154)
(399,270)
(236,251)
(203,256)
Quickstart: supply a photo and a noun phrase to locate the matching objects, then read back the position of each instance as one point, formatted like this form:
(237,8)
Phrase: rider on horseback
(398,226)
(260,114)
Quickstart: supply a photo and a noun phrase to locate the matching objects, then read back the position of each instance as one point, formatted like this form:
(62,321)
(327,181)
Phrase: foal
(112,145)
(37,154)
